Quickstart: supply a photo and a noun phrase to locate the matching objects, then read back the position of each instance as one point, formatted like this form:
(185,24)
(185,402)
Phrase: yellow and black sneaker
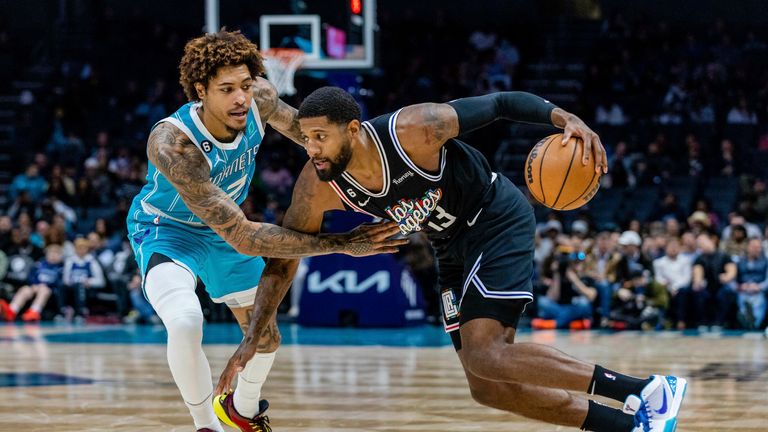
(224,407)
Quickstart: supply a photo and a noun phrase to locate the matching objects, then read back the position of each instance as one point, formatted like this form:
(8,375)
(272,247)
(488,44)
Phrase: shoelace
(643,417)
(261,424)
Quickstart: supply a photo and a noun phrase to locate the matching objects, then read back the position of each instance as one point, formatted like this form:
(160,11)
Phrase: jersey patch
(207,146)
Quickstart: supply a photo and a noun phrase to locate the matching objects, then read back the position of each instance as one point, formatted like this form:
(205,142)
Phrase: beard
(337,165)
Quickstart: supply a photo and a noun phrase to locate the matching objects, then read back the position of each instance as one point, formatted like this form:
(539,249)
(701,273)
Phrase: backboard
(334,34)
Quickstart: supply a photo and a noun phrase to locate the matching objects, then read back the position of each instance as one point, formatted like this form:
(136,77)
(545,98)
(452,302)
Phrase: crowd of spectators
(668,103)
(669,275)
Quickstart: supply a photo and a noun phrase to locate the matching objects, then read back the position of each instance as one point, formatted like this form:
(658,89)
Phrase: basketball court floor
(115,378)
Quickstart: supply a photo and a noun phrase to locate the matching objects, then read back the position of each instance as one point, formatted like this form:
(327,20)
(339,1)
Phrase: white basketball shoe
(656,408)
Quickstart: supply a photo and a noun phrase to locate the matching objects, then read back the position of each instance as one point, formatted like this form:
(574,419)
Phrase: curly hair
(203,56)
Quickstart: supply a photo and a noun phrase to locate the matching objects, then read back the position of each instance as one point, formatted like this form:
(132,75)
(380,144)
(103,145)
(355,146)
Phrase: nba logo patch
(450,308)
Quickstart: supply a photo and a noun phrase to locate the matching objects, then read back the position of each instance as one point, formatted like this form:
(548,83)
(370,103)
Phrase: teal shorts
(229,276)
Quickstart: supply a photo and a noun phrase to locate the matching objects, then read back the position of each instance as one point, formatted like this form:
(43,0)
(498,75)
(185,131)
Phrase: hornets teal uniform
(160,222)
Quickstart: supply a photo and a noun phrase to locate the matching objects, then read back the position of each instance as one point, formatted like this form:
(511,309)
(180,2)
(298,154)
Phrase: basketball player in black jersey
(408,167)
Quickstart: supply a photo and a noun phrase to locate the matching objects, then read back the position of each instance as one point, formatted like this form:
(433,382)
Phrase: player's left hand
(235,365)
(373,238)
(575,127)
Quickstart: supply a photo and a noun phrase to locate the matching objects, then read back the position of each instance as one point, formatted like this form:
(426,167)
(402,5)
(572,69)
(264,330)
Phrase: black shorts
(487,270)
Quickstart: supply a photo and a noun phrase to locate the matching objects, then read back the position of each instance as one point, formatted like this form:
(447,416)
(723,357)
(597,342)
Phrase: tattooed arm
(184,165)
(274,111)
(311,199)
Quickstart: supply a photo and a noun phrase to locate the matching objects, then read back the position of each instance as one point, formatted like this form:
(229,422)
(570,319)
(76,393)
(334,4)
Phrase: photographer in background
(569,297)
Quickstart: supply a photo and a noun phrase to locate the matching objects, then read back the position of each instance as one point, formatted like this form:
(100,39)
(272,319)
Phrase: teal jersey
(232,165)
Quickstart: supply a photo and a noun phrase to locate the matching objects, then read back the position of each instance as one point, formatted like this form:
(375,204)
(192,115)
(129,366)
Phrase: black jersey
(438,203)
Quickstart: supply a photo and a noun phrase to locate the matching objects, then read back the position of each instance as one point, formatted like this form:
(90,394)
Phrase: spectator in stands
(672,227)
(752,282)
(57,234)
(114,239)
(569,297)
(699,222)
(548,234)
(653,247)
(611,114)
(98,247)
(641,304)
(727,164)
(38,236)
(736,219)
(756,202)
(620,164)
(600,266)
(61,186)
(82,273)
(668,208)
(632,259)
(703,205)
(30,182)
(21,256)
(100,184)
(710,298)
(44,280)
(694,164)
(742,114)
(673,272)
(580,230)
(735,246)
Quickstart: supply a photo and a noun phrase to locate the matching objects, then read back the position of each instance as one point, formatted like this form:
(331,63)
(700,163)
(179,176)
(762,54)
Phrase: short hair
(332,102)
(204,55)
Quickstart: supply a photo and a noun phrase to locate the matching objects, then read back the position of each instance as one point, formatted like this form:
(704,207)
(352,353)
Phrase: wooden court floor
(50,385)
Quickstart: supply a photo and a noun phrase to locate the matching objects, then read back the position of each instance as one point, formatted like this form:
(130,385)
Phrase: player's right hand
(235,365)
(373,238)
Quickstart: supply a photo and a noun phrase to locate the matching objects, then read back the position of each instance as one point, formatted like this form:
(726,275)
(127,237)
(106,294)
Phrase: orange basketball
(555,175)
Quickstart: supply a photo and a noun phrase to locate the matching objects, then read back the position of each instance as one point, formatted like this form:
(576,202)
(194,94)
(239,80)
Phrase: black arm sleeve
(476,112)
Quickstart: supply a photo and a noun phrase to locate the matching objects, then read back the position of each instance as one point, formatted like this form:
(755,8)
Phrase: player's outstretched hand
(235,365)
(373,238)
(574,126)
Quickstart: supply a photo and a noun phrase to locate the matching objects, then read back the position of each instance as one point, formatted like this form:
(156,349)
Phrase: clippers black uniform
(480,224)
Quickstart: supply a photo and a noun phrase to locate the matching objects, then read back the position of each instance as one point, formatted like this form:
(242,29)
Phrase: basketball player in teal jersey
(186,223)
(409,167)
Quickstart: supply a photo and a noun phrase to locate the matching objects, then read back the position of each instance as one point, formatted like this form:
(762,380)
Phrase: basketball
(555,175)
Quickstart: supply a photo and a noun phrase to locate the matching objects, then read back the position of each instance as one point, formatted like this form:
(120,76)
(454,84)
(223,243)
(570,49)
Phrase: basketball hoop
(281,64)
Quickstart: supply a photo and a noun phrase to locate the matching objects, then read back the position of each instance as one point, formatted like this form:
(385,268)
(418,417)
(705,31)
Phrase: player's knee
(486,358)
(24,291)
(185,327)
(43,289)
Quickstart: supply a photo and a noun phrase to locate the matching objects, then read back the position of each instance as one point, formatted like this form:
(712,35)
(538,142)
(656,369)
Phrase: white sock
(249,382)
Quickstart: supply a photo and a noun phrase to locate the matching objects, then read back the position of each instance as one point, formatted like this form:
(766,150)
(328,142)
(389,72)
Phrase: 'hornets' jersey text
(232,165)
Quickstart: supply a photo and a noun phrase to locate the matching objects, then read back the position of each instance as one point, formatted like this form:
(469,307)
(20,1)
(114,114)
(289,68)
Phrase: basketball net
(281,65)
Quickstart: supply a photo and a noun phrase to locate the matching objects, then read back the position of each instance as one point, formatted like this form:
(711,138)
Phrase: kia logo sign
(345,281)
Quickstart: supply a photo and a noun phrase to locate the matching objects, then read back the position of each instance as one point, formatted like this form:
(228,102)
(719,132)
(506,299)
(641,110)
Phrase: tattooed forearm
(186,168)
(285,121)
(273,286)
